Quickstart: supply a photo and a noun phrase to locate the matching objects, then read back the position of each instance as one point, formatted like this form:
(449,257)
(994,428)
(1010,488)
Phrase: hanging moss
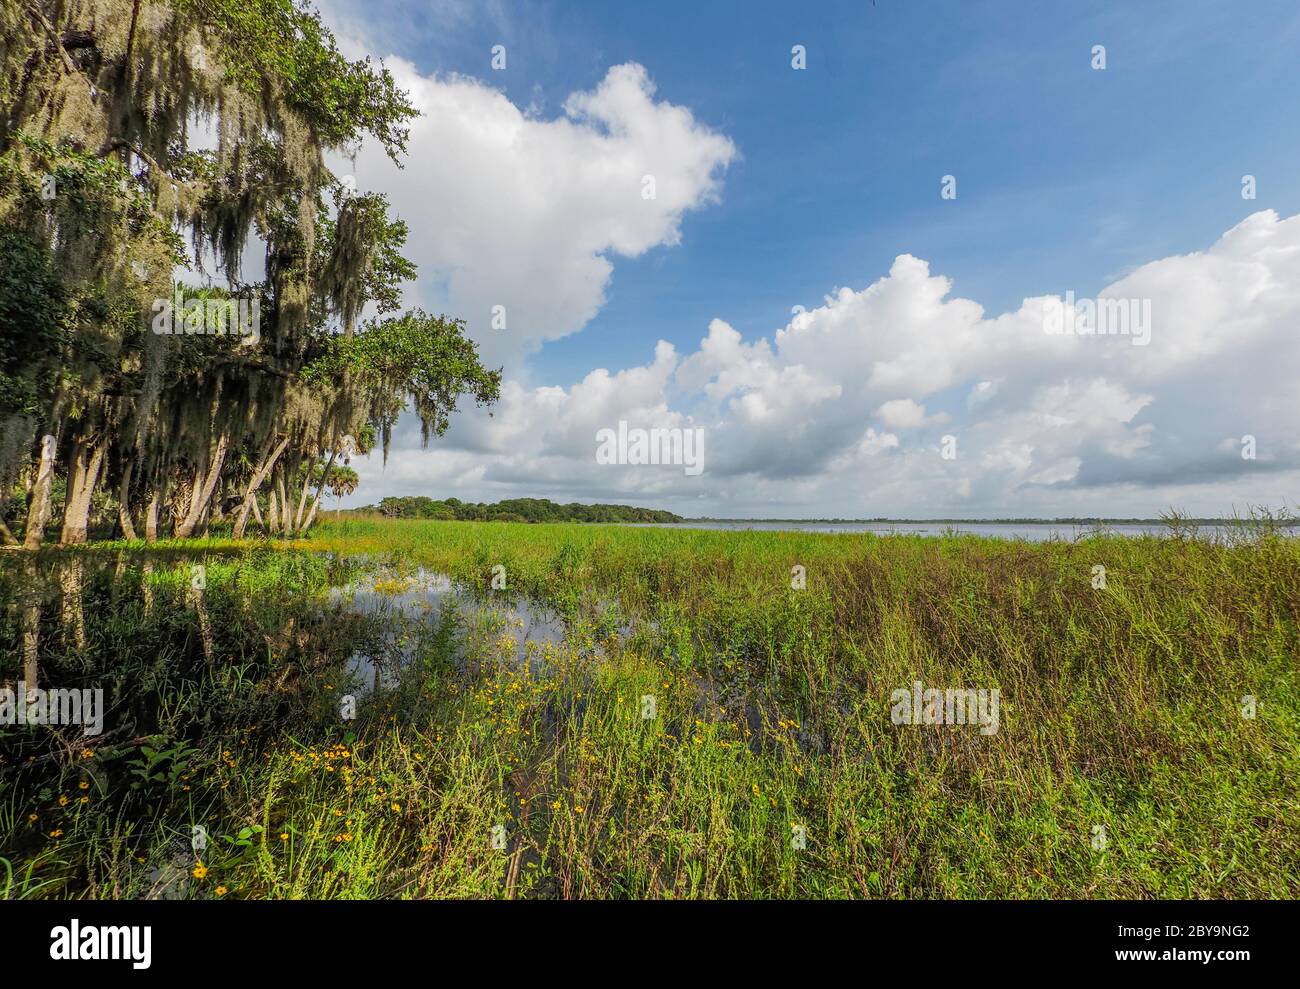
(103,103)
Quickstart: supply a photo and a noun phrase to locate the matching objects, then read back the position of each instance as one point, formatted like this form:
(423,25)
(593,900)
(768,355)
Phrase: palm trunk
(302,499)
(320,489)
(151,513)
(187,505)
(286,523)
(250,493)
(83,477)
(6,537)
(215,515)
(38,512)
(204,485)
(74,482)
(257,513)
(124,501)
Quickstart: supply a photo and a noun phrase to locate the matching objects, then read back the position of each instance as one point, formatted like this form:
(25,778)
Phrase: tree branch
(57,41)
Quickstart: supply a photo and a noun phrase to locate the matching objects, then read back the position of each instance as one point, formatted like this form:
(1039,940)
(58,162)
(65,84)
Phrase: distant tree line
(515,510)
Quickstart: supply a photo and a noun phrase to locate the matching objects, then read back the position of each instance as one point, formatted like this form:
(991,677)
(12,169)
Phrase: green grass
(1120,710)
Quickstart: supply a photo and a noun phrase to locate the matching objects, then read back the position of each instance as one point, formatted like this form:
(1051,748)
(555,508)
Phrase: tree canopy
(178,404)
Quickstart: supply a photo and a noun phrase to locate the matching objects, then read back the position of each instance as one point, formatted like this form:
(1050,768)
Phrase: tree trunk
(286,522)
(189,504)
(38,511)
(255,482)
(124,501)
(73,483)
(302,499)
(257,513)
(6,537)
(151,513)
(203,488)
(320,489)
(83,477)
(272,513)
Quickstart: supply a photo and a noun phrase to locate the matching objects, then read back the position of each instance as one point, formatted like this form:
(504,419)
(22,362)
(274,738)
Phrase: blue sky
(1067,177)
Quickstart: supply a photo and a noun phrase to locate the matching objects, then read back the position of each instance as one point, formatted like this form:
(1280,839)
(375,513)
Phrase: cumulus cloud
(902,413)
(509,210)
(843,412)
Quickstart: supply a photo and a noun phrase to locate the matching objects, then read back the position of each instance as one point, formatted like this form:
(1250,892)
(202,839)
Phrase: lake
(1036,532)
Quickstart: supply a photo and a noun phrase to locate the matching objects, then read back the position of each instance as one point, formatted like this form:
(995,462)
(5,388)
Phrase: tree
(103,197)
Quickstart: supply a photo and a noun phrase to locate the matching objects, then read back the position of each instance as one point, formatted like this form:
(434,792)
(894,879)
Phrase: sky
(833,239)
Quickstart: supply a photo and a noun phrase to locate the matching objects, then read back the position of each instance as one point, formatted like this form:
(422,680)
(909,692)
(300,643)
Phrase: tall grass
(1123,764)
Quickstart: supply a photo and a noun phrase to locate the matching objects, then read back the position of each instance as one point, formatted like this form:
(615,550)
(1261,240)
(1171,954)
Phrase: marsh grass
(482,772)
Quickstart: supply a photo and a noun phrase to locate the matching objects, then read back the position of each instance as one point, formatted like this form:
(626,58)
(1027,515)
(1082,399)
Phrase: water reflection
(409,607)
(214,666)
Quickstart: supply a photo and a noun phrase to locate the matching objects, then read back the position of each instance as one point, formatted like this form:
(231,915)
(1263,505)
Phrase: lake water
(406,605)
(1036,532)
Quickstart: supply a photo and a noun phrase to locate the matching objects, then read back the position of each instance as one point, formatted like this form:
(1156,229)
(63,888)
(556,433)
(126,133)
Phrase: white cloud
(873,443)
(841,413)
(505,209)
(901,413)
